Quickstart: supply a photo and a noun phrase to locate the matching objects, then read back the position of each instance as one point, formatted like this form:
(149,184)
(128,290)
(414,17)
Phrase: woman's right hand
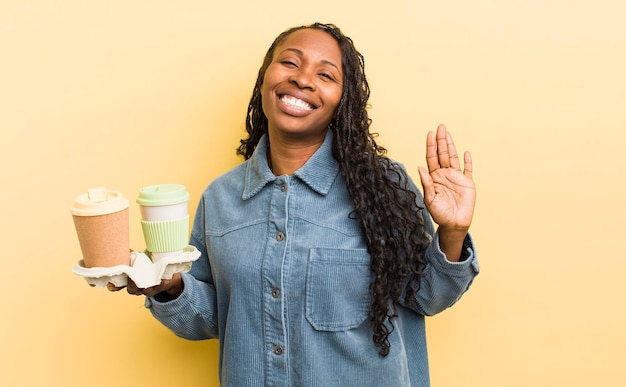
(168,289)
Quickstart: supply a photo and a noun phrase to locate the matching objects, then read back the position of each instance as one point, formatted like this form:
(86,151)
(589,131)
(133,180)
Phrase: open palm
(449,192)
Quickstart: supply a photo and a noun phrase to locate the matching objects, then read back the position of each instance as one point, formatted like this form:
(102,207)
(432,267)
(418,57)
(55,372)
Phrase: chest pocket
(337,288)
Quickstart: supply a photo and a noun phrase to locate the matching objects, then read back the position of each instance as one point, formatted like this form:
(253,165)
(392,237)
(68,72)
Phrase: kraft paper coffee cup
(101,222)
(165,218)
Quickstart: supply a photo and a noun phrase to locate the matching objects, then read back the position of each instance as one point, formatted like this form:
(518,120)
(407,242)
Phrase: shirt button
(278,350)
(283,187)
(275,292)
(280,236)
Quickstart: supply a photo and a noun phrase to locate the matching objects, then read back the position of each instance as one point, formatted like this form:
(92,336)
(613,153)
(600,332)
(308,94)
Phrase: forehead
(314,43)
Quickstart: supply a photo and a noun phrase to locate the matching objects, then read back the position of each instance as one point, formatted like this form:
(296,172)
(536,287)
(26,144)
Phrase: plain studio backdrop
(125,94)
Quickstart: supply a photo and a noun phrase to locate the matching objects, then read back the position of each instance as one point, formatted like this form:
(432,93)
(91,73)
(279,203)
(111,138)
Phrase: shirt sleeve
(193,315)
(443,282)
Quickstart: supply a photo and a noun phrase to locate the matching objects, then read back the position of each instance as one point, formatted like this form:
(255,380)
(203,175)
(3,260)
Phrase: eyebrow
(299,52)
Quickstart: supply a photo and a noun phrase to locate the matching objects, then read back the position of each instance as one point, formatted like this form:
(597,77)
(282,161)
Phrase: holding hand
(169,289)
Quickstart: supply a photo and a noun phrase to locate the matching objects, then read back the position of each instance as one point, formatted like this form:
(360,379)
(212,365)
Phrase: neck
(286,157)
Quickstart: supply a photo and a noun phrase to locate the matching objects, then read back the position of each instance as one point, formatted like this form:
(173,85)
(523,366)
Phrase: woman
(319,260)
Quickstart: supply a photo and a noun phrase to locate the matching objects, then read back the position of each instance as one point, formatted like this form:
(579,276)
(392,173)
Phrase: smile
(296,103)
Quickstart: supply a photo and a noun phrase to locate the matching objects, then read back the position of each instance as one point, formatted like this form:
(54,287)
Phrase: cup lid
(99,201)
(162,195)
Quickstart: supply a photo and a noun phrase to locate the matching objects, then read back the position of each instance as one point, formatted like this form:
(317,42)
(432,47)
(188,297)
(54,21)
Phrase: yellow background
(130,93)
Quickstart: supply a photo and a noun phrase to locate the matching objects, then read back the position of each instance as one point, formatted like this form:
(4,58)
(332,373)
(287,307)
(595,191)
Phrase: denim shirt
(283,283)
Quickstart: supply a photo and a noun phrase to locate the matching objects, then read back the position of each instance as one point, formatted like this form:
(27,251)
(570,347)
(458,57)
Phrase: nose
(302,79)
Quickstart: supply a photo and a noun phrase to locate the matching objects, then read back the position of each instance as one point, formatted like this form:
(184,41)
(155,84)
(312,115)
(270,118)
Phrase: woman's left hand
(449,192)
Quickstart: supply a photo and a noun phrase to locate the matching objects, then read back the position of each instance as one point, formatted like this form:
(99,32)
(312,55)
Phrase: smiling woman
(301,90)
(319,256)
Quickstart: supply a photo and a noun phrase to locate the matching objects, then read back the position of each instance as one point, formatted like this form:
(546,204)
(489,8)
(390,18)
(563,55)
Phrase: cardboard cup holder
(142,270)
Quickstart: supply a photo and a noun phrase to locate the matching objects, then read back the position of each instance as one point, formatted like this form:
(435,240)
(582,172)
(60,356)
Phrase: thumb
(427,183)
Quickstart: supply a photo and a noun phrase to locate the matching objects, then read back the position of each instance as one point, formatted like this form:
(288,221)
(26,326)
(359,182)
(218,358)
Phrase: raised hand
(449,192)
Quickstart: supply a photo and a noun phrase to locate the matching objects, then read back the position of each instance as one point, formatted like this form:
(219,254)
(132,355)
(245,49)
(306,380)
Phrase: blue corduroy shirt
(283,283)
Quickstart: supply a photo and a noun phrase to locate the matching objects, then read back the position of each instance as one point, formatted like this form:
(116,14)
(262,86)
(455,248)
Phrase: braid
(383,203)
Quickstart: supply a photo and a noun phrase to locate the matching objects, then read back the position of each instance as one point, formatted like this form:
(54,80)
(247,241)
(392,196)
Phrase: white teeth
(296,103)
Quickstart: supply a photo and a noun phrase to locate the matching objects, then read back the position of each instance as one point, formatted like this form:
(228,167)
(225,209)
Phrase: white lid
(99,201)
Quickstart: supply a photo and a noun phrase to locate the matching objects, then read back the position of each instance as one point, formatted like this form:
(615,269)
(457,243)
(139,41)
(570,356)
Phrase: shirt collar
(319,172)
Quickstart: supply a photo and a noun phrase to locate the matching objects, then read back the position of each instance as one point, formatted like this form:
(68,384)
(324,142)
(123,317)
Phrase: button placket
(273,267)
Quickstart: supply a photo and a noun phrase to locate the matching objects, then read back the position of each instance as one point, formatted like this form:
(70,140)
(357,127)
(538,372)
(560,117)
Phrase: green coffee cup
(165,218)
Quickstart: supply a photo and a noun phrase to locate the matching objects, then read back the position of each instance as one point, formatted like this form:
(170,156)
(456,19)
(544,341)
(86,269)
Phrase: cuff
(175,306)
(468,262)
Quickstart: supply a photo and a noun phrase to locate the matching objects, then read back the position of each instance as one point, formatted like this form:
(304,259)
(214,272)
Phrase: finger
(150,292)
(112,288)
(467,161)
(442,147)
(427,184)
(454,157)
(432,160)
(132,288)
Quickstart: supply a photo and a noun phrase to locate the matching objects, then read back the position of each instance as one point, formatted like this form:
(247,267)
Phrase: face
(303,84)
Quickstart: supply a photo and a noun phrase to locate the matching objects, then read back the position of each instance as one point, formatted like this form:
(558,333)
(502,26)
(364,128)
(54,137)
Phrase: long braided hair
(386,208)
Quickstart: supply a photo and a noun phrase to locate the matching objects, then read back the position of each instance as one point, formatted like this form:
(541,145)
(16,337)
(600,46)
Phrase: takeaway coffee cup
(164,218)
(101,222)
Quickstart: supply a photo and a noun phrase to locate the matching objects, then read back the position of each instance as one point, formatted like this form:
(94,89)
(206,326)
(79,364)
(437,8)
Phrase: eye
(288,63)
(327,76)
